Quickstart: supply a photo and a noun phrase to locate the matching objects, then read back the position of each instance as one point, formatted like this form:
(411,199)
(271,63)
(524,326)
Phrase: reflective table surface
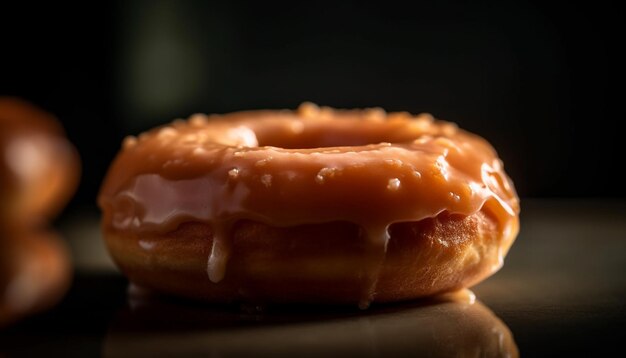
(561,291)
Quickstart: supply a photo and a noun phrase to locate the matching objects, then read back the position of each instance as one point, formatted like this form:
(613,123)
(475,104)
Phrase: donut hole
(341,133)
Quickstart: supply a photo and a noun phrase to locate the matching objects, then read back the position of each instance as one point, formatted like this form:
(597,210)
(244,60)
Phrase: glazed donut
(38,173)
(318,205)
(38,166)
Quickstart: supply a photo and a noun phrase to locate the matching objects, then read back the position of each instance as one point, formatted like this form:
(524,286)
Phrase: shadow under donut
(453,325)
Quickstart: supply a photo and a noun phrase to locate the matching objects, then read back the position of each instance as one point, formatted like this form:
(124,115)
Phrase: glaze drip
(377,237)
(220,251)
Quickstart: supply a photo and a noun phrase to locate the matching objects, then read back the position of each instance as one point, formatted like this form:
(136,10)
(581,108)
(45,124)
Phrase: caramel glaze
(316,165)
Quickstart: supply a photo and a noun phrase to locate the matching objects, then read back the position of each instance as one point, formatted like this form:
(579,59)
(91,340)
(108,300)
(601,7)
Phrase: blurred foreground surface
(562,291)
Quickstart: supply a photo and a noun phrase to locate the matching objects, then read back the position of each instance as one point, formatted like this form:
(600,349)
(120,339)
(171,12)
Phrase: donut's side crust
(316,263)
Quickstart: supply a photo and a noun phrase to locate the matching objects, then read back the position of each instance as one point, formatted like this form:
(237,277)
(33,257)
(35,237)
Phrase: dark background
(542,82)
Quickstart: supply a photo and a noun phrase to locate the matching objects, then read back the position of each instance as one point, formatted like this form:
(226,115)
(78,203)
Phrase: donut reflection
(450,326)
(35,273)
